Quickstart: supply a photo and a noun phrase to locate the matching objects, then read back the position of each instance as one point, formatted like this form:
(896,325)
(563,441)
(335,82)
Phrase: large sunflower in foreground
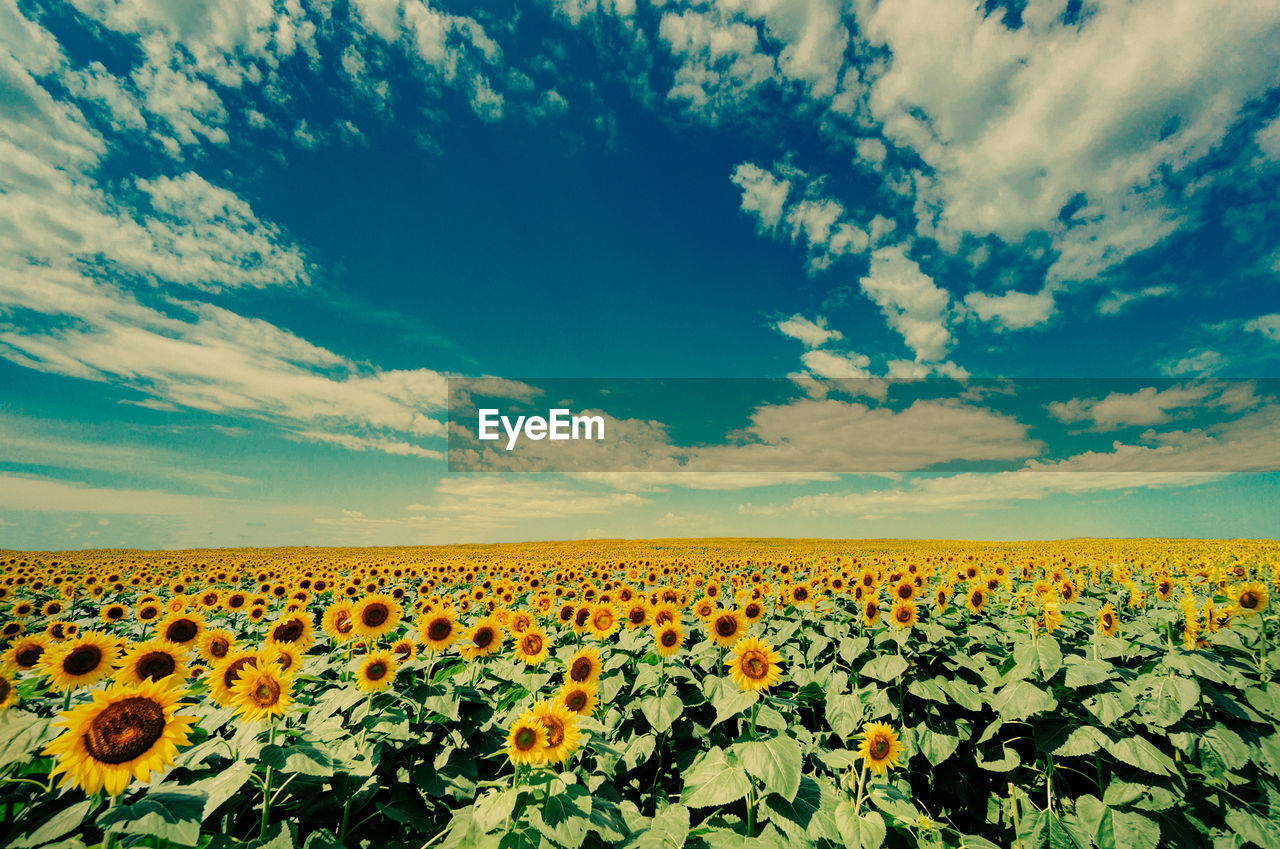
(224,673)
(24,653)
(262,692)
(532,646)
(376,615)
(880,747)
(1250,598)
(81,662)
(754,665)
(126,732)
(439,630)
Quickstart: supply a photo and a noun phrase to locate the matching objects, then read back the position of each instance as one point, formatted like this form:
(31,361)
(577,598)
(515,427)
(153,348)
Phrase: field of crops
(717,693)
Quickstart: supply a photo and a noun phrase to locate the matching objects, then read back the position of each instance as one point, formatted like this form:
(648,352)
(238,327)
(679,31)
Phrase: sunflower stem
(862,781)
(266,784)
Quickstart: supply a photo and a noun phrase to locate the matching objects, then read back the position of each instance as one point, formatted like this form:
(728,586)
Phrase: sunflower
(635,614)
(726,627)
(603,621)
(880,747)
(942,597)
(113,613)
(527,741)
(579,698)
(532,647)
(754,665)
(976,598)
(439,630)
(181,628)
(148,611)
(126,732)
(562,730)
(10,630)
(519,622)
(667,639)
(262,691)
(224,673)
(1050,617)
(59,630)
(405,649)
(483,639)
(753,611)
(376,671)
(1108,625)
(8,692)
(903,613)
(871,610)
(1250,598)
(338,622)
(52,608)
(665,612)
(24,654)
(215,644)
(296,629)
(904,590)
(377,615)
(704,608)
(286,655)
(81,662)
(584,667)
(155,659)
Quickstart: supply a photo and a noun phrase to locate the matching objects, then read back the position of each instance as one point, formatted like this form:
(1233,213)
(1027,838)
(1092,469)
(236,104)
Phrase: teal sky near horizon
(242,246)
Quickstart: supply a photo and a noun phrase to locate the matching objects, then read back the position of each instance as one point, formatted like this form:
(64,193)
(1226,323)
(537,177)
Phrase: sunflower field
(665,693)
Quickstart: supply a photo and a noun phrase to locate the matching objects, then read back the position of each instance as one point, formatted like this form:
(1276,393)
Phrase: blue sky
(242,246)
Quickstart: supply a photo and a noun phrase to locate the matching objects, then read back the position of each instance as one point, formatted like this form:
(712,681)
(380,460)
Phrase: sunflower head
(262,691)
(1108,623)
(532,647)
(181,628)
(125,732)
(527,741)
(484,638)
(726,627)
(668,639)
(8,692)
(24,654)
(376,615)
(439,630)
(80,662)
(880,747)
(562,730)
(296,628)
(376,671)
(153,660)
(584,667)
(1250,598)
(754,665)
(338,623)
(904,613)
(579,698)
(224,674)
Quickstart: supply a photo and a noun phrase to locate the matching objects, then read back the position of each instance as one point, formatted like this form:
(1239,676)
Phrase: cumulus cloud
(912,303)
(812,334)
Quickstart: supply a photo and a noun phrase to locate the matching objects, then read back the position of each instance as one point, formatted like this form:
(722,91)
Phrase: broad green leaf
(1137,751)
(1021,699)
(22,735)
(727,698)
(661,710)
(172,815)
(61,823)
(860,831)
(1114,829)
(1225,747)
(1041,655)
(564,816)
(845,715)
(279,837)
(667,830)
(795,817)
(885,668)
(1253,828)
(935,745)
(1087,673)
(1168,700)
(492,809)
(302,757)
(714,780)
(1084,740)
(776,762)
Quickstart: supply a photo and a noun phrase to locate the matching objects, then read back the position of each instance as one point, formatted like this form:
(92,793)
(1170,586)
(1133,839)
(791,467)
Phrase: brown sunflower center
(753,610)
(879,748)
(531,644)
(1250,600)
(288,632)
(581,669)
(236,601)
(555,731)
(181,631)
(575,701)
(754,664)
(636,615)
(403,649)
(670,638)
(28,656)
(800,594)
(439,629)
(82,660)
(726,626)
(148,612)
(266,692)
(219,646)
(376,671)
(115,612)
(343,623)
(156,664)
(525,738)
(375,614)
(124,730)
(603,620)
(581,617)
(483,637)
(903,614)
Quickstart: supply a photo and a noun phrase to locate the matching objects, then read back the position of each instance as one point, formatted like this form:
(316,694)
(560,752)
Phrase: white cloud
(1016,124)
(28,492)
(763,194)
(1198,362)
(836,364)
(1267,325)
(1012,310)
(810,333)
(912,304)
(1147,406)
(1117,301)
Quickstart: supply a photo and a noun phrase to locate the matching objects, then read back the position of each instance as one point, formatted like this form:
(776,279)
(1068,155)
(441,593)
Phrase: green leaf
(728,700)
(564,817)
(1253,828)
(1225,747)
(865,831)
(22,734)
(638,751)
(222,785)
(302,757)
(795,817)
(935,745)
(1265,699)
(1168,700)
(1039,655)
(1087,673)
(1113,829)
(885,668)
(776,761)
(173,815)
(668,830)
(845,714)
(1137,751)
(61,823)
(714,780)
(280,837)
(493,808)
(661,710)
(1084,740)
(1021,699)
